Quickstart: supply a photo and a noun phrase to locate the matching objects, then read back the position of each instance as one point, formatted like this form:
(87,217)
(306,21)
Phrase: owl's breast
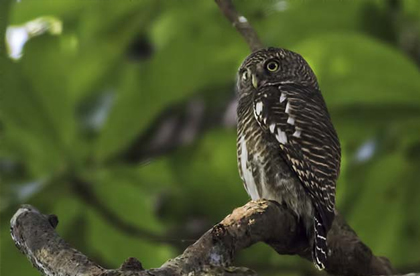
(259,160)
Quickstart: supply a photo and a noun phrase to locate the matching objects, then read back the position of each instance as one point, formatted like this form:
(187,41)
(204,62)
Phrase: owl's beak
(254,81)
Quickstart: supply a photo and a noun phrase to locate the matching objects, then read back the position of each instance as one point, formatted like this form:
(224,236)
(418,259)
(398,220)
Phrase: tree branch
(34,234)
(240,23)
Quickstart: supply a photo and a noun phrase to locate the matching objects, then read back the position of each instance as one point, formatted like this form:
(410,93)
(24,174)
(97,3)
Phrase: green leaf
(39,122)
(131,199)
(43,90)
(134,205)
(383,213)
(177,70)
(354,69)
(286,23)
(209,177)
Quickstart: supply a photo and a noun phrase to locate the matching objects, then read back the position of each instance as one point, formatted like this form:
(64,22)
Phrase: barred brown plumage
(288,149)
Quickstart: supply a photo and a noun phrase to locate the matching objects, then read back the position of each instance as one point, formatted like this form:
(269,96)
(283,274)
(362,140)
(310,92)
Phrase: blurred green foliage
(127,62)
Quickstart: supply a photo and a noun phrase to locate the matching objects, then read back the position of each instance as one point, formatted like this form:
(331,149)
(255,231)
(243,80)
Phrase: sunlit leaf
(17,36)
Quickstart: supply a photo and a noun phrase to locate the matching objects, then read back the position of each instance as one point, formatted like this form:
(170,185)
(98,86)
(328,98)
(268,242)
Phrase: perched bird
(287,147)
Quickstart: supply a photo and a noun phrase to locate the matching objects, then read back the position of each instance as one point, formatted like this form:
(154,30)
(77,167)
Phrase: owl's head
(274,66)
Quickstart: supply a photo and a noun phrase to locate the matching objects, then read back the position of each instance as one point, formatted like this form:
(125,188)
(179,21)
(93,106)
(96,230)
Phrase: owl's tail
(320,247)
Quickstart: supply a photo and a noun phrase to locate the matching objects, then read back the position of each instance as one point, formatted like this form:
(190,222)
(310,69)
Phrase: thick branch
(34,234)
(241,24)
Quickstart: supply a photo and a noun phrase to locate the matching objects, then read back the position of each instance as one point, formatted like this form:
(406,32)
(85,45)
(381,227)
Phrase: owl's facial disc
(272,67)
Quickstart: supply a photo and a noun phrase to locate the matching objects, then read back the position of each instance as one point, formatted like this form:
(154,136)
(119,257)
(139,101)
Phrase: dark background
(122,121)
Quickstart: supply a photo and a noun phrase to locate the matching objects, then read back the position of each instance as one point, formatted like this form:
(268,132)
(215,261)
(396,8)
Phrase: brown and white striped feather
(298,118)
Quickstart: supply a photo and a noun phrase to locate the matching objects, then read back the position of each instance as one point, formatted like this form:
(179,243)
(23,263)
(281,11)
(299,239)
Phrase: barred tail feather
(320,248)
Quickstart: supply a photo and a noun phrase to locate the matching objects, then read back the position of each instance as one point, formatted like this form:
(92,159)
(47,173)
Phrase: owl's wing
(297,118)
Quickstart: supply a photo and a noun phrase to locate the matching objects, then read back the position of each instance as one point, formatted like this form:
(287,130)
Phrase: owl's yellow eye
(272,66)
(245,75)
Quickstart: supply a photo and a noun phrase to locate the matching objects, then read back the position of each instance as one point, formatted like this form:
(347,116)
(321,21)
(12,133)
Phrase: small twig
(241,24)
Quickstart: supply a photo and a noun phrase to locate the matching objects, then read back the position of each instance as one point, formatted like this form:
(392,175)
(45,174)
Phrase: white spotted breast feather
(298,120)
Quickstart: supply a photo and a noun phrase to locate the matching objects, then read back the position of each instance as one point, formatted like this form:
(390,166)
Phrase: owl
(287,148)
